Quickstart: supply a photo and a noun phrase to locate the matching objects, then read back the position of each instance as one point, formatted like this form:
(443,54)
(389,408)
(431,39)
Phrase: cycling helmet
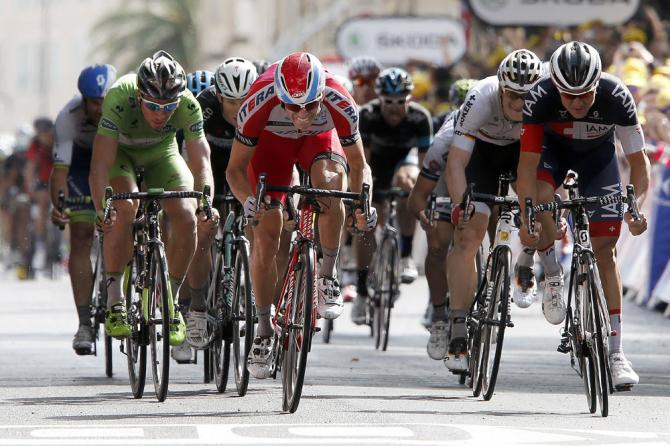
(95,80)
(234,77)
(394,82)
(575,68)
(43,124)
(161,77)
(199,80)
(299,79)
(519,70)
(459,89)
(364,66)
(261,65)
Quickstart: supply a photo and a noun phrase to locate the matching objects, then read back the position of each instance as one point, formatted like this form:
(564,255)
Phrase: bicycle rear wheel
(159,322)
(495,323)
(98,305)
(387,288)
(598,337)
(135,344)
(242,317)
(299,330)
(219,347)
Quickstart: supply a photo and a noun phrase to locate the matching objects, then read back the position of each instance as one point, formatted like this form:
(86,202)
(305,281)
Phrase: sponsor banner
(395,40)
(553,12)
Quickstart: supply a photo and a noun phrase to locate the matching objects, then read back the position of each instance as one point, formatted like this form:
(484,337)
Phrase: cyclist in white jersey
(486,144)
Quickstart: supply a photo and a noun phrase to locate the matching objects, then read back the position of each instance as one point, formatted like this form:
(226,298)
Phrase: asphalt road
(352,395)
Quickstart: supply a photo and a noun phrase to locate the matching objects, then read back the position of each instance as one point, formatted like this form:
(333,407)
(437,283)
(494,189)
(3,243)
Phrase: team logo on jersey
(626,99)
(255,101)
(342,103)
(106,123)
(465,109)
(531,99)
(196,127)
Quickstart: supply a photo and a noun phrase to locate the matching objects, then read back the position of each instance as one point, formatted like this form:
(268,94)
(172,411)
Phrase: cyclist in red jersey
(295,113)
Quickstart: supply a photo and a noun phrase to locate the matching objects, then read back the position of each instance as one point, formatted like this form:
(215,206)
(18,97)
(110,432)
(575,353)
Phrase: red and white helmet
(300,78)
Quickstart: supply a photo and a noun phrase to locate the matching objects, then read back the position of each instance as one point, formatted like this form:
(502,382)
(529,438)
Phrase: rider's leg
(436,268)
(405,178)
(604,249)
(200,267)
(264,268)
(81,272)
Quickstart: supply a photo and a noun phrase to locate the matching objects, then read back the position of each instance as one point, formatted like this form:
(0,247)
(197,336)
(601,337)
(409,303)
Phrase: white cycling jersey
(435,160)
(74,131)
(481,117)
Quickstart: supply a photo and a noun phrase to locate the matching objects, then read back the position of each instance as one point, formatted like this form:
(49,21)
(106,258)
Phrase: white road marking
(101,432)
(352,431)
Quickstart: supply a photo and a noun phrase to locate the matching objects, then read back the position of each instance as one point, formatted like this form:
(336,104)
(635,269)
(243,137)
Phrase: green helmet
(459,89)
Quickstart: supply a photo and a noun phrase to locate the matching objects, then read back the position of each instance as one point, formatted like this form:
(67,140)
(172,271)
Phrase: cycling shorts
(275,156)
(384,167)
(598,172)
(77,187)
(169,171)
(488,162)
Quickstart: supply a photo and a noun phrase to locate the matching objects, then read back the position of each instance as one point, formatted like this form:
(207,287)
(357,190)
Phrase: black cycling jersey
(389,146)
(218,131)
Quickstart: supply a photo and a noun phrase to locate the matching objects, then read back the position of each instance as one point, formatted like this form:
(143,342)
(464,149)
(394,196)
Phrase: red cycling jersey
(43,158)
(263,123)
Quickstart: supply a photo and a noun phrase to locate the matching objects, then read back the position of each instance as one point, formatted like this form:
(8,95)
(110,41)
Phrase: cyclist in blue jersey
(76,126)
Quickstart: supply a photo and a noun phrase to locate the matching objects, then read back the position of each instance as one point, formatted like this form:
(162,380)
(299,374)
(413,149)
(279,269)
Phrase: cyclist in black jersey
(391,126)
(220,103)
(570,121)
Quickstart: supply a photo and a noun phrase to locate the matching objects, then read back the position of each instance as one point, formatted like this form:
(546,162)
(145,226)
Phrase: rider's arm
(236,173)
(418,197)
(532,136)
(359,170)
(102,161)
(455,172)
(198,161)
(62,154)
(58,183)
(632,143)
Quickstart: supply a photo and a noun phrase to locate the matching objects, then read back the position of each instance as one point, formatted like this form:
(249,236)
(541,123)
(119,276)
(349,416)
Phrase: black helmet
(161,77)
(575,68)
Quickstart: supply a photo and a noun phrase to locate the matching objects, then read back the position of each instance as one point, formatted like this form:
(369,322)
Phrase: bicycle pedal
(624,388)
(564,348)
(510,324)
(317,329)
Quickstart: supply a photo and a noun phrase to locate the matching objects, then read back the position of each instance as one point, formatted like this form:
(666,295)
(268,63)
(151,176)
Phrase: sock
(526,257)
(458,327)
(406,245)
(175,284)
(549,261)
(439,312)
(198,298)
(114,292)
(362,285)
(84,313)
(328,262)
(615,336)
(264,327)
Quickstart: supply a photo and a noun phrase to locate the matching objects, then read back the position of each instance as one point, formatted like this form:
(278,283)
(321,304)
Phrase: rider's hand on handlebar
(635,227)
(366,222)
(561,228)
(457,215)
(207,226)
(425,222)
(59,218)
(530,240)
(105,226)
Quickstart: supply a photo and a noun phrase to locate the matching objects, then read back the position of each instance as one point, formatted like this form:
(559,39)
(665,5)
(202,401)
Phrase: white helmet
(519,70)
(234,77)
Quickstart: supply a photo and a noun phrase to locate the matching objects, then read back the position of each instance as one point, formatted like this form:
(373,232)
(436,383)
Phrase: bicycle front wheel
(495,323)
(577,321)
(242,318)
(299,328)
(159,322)
(135,344)
(598,338)
(388,285)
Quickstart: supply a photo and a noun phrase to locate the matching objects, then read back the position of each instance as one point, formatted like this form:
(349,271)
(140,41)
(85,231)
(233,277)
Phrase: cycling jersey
(389,146)
(613,112)
(263,123)
(435,162)
(42,156)
(585,145)
(481,117)
(140,145)
(219,133)
(73,147)
(262,111)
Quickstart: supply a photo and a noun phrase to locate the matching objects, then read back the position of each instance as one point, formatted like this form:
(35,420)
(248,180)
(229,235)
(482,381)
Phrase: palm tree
(141,27)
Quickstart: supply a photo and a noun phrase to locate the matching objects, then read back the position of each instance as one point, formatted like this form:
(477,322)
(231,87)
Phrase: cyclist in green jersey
(140,117)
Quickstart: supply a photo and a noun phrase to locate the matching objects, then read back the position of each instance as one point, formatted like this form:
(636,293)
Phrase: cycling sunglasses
(154,107)
(514,96)
(295,108)
(395,101)
(360,81)
(572,97)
